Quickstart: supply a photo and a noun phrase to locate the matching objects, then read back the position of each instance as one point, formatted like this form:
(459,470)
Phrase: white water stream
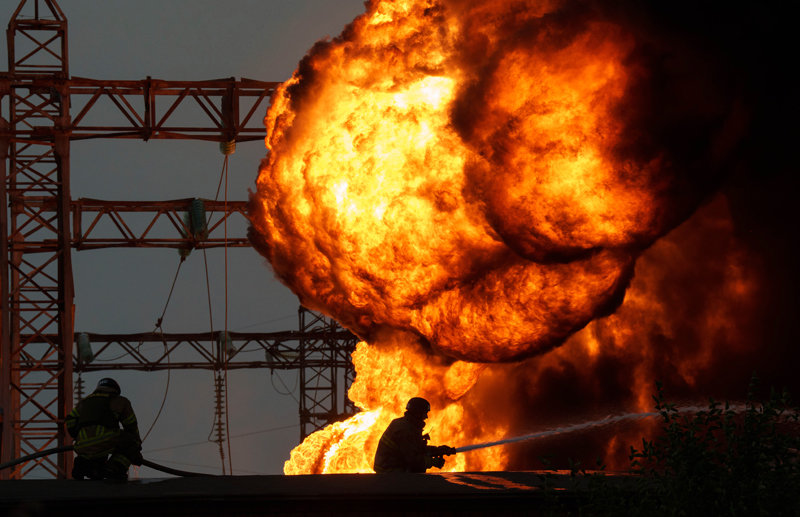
(586,425)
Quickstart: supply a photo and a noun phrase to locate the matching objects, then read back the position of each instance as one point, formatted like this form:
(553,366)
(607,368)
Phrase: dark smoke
(715,95)
(750,46)
(683,109)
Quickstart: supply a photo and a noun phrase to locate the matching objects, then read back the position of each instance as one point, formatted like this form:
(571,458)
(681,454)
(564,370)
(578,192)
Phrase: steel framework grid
(37,293)
(36,237)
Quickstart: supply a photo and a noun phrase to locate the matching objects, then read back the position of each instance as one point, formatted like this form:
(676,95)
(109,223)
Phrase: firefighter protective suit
(403,447)
(106,435)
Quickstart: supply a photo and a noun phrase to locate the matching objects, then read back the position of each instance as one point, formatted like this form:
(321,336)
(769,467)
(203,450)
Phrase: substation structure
(43,109)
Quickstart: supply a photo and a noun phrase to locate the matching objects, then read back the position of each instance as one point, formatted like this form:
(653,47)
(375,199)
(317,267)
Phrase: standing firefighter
(104,450)
(403,447)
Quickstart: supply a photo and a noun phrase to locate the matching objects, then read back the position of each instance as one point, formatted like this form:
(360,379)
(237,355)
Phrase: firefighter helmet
(418,406)
(109,384)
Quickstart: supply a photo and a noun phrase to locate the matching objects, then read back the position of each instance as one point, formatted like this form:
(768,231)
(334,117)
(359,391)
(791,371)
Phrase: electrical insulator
(225,339)
(195,223)
(79,389)
(85,354)
(197,219)
(227,148)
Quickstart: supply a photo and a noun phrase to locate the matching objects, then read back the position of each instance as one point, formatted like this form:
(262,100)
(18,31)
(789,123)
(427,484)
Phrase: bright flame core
(403,218)
(464,182)
(388,376)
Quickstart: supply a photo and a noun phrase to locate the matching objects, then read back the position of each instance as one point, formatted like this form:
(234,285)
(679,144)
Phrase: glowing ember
(473,181)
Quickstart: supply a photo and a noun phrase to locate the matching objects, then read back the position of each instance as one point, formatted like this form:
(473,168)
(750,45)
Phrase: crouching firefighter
(105,433)
(403,447)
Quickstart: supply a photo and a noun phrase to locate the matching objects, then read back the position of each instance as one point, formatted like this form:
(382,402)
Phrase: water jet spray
(575,427)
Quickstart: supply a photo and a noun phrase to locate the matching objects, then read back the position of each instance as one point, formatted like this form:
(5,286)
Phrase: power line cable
(289,392)
(290,316)
(159,328)
(224,349)
(166,388)
(262,431)
(205,442)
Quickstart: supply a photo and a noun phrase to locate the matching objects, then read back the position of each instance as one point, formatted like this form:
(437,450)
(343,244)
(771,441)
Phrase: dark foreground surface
(464,493)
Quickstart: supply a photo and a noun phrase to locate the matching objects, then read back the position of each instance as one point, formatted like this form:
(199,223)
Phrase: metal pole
(6,428)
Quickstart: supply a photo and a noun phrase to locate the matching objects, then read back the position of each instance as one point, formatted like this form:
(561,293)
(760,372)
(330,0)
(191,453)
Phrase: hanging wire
(160,319)
(211,321)
(224,351)
(273,320)
(166,388)
(206,442)
(169,296)
(289,392)
(208,295)
(158,327)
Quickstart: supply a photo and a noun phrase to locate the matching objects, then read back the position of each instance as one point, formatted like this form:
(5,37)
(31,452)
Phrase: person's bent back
(105,433)
(403,447)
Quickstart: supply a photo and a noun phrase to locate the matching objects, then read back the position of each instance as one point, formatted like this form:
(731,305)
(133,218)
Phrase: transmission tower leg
(38,295)
(6,445)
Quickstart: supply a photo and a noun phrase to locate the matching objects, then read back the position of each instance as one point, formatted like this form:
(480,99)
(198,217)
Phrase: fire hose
(542,434)
(67,448)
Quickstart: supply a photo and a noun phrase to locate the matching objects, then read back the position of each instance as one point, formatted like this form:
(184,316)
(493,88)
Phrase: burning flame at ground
(389,376)
(614,359)
(472,182)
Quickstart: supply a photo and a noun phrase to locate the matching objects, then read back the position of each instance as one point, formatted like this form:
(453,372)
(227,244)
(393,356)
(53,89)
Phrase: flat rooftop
(462,493)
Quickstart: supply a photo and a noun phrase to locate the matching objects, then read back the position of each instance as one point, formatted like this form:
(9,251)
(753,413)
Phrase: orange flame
(471,182)
(648,337)
(387,376)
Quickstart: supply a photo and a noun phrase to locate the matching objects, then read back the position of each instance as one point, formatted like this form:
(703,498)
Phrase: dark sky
(124,291)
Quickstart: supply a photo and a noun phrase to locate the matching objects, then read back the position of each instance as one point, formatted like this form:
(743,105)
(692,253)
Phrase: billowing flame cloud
(484,174)
(686,320)
(464,183)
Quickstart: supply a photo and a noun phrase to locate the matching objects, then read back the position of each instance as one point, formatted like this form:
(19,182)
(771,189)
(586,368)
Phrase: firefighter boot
(116,467)
(86,468)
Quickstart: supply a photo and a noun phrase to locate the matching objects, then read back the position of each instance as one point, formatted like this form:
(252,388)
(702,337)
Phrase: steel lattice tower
(37,293)
(41,110)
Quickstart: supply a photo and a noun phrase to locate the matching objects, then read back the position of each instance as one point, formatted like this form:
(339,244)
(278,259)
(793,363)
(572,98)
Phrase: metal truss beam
(100,224)
(321,351)
(152,351)
(138,224)
(219,110)
(42,110)
(106,224)
(320,399)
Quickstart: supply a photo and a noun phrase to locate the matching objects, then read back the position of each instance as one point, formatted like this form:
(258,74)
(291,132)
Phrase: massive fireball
(472,182)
